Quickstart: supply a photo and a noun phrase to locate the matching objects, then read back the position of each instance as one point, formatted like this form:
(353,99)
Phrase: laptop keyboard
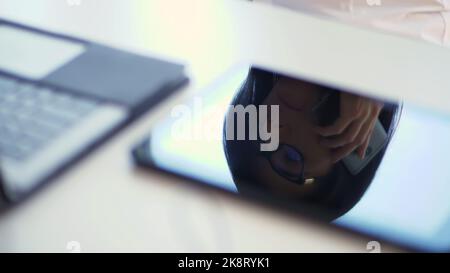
(31,116)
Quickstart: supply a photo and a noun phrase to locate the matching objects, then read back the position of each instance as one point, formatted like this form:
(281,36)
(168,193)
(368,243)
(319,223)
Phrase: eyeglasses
(289,163)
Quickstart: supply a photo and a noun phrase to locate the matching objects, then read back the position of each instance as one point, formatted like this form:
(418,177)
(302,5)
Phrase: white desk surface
(105,204)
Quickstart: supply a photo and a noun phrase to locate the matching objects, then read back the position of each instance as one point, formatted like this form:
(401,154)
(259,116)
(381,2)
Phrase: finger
(344,151)
(363,148)
(349,135)
(351,108)
(337,128)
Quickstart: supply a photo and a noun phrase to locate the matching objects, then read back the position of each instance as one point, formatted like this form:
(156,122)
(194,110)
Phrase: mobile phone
(397,195)
(377,142)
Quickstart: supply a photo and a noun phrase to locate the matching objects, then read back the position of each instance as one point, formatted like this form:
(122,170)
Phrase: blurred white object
(424,19)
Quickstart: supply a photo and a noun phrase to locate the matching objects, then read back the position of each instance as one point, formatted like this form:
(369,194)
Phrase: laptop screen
(32,55)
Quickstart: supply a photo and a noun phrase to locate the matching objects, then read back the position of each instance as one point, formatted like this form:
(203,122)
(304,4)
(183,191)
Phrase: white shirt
(424,19)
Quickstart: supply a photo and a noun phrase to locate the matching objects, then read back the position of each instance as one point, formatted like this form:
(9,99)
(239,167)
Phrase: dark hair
(339,190)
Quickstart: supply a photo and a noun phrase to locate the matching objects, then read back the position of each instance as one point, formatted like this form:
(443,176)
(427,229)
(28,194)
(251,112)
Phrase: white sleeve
(423,19)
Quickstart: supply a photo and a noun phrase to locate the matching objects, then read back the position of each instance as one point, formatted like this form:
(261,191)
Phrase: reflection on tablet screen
(374,166)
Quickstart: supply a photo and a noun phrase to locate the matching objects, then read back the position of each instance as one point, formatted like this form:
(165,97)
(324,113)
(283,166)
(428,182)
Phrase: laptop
(61,96)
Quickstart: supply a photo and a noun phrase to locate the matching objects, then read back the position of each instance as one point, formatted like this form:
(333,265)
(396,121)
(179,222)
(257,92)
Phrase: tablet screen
(296,148)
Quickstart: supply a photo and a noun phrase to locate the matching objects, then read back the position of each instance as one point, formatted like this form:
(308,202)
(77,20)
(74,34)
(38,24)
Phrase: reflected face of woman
(297,101)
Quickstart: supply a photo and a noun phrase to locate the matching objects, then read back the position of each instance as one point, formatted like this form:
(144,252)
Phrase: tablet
(262,135)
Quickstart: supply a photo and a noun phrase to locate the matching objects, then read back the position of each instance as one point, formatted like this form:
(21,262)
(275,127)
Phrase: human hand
(353,129)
